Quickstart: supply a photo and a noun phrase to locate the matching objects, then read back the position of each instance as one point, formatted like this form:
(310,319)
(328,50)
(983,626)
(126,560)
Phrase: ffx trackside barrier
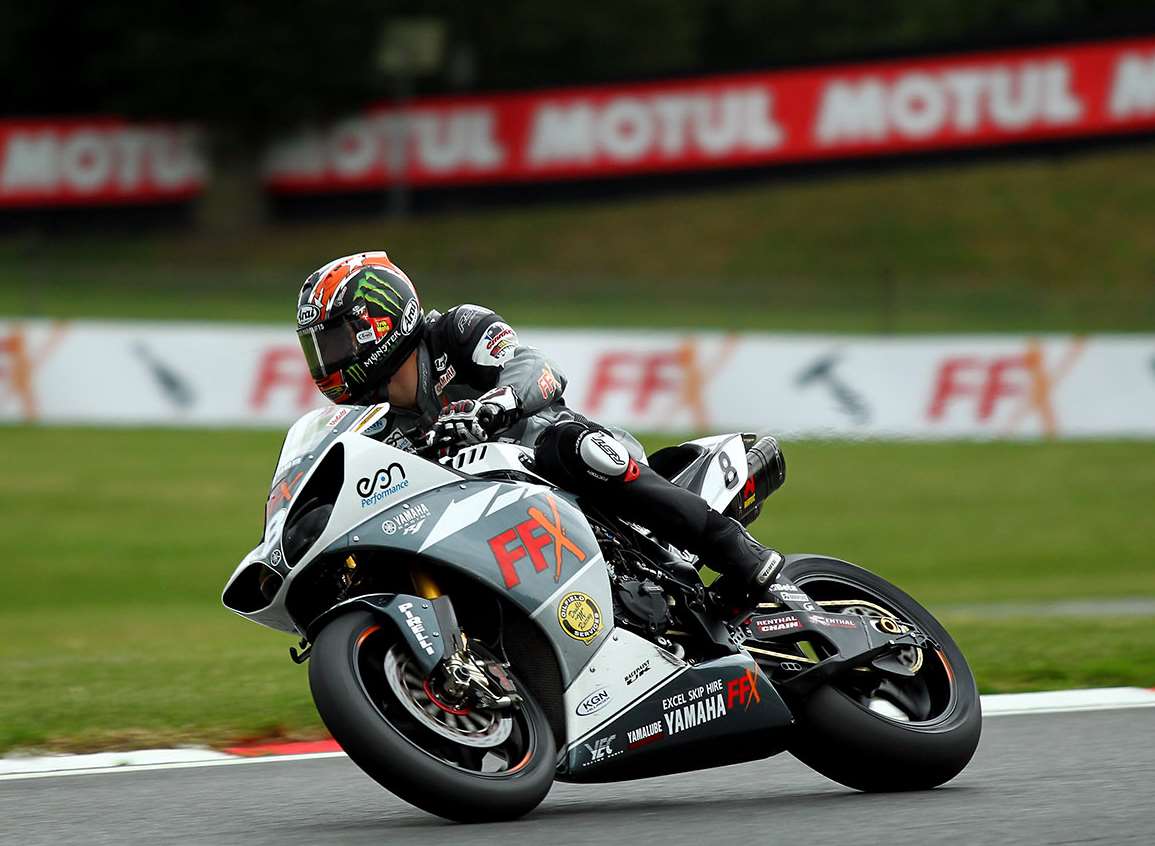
(933,386)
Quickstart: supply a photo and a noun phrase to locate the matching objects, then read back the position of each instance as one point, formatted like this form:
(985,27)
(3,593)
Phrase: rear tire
(396,759)
(846,741)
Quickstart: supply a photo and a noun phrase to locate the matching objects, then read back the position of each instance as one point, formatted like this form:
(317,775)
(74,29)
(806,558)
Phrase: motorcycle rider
(366,339)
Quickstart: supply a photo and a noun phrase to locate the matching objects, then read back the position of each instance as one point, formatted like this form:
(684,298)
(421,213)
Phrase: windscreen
(305,441)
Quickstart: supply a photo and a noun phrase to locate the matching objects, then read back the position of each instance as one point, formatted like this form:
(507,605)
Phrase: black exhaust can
(766,474)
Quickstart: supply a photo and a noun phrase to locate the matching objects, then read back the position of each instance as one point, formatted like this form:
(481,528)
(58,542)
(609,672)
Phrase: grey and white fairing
(718,472)
(525,540)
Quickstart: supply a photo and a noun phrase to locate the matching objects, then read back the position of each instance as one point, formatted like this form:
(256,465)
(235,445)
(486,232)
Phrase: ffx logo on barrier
(1024,379)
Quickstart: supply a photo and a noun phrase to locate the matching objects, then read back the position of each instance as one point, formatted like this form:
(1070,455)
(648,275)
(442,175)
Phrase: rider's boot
(592,462)
(720,542)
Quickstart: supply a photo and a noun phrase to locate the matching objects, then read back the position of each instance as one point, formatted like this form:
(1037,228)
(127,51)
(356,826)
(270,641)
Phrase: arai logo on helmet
(593,703)
(409,318)
(306,314)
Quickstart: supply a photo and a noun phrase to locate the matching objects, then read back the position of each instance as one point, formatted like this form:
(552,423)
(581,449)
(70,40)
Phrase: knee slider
(603,454)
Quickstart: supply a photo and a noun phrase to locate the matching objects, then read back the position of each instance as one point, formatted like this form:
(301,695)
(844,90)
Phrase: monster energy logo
(373,289)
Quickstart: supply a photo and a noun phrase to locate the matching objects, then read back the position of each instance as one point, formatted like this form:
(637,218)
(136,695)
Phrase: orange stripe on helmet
(341,269)
(327,287)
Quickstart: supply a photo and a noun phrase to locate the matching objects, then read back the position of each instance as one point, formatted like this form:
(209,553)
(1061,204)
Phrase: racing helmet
(358,319)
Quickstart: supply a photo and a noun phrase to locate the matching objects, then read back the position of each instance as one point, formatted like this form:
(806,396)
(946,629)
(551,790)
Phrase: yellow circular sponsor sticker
(579,616)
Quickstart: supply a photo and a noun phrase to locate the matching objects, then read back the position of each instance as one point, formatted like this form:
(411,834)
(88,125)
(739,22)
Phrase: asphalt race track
(1049,778)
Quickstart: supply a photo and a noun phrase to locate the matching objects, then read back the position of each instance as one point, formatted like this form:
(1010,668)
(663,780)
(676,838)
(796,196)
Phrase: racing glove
(472,421)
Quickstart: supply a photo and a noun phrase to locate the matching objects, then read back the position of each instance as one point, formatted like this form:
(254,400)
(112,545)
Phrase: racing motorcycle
(474,633)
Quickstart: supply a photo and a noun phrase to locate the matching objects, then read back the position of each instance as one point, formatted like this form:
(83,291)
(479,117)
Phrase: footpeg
(773,564)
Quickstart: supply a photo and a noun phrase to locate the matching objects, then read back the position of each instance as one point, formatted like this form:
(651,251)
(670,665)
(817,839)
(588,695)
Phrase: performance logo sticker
(381,485)
(408,520)
(694,707)
(593,703)
(579,616)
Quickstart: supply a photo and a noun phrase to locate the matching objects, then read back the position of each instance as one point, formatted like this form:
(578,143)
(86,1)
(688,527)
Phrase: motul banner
(97,161)
(730,121)
(932,387)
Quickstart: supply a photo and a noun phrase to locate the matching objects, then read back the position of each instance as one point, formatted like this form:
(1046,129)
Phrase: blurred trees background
(257,67)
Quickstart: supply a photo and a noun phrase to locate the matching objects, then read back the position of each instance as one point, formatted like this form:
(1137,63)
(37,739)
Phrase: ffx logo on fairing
(743,690)
(374,489)
(532,537)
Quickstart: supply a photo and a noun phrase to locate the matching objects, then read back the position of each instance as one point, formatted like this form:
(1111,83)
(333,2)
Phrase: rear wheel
(877,731)
(464,764)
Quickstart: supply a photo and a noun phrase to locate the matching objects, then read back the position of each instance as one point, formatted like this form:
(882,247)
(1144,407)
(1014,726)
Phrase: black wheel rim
(924,700)
(505,760)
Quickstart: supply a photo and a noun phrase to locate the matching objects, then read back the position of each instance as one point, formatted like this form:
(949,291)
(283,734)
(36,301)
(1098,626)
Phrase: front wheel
(877,732)
(467,765)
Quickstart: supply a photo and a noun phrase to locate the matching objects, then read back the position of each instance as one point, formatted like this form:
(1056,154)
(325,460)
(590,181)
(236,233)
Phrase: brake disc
(474,727)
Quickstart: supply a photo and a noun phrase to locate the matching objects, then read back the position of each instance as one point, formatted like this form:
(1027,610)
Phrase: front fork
(462,675)
(424,583)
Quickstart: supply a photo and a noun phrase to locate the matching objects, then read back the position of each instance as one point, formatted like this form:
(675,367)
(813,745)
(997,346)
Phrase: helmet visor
(329,348)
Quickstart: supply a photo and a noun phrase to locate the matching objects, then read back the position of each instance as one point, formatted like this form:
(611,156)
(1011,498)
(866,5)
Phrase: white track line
(175,765)
(150,760)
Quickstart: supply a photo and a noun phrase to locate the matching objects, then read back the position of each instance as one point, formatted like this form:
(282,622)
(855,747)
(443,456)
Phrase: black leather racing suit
(469,350)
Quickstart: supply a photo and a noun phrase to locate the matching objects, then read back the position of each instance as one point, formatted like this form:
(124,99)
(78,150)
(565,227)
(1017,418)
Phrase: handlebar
(488,416)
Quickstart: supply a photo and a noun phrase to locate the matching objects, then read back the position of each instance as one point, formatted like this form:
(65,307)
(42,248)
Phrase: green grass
(1064,242)
(116,543)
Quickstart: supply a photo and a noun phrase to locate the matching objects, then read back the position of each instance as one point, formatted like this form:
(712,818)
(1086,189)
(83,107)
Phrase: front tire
(867,743)
(362,710)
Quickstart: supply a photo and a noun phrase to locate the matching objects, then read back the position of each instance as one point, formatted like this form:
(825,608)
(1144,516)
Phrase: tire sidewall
(398,764)
(854,746)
